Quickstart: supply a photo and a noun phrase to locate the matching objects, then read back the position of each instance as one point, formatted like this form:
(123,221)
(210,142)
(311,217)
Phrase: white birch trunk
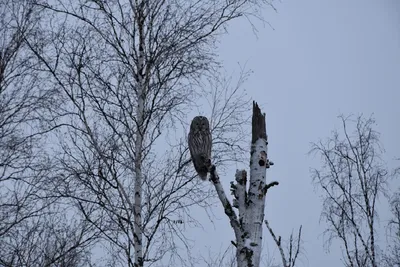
(250,203)
(252,214)
(138,193)
(141,94)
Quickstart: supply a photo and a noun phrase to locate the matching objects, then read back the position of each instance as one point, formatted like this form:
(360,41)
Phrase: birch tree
(129,72)
(352,178)
(249,200)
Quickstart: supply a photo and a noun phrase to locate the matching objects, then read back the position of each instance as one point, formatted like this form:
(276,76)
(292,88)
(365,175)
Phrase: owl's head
(200,123)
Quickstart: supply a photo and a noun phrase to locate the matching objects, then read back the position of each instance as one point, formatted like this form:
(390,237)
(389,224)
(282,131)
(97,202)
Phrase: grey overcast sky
(322,58)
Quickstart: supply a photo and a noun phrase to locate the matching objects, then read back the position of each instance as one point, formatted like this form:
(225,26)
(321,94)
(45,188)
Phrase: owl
(200,145)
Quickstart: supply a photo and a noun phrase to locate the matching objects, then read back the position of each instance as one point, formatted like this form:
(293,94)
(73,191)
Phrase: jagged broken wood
(250,201)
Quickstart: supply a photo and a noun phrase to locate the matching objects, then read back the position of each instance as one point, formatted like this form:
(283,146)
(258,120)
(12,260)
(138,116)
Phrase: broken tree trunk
(249,200)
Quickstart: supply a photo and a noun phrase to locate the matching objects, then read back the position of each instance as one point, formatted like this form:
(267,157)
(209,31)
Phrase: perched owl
(200,145)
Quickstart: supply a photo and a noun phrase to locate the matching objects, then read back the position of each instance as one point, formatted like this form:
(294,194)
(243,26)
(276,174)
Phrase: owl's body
(200,145)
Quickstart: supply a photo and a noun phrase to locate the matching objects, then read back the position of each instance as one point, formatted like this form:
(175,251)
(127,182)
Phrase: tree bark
(140,109)
(251,202)
(253,216)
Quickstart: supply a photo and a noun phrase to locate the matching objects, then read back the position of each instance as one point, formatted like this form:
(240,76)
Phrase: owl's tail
(203,176)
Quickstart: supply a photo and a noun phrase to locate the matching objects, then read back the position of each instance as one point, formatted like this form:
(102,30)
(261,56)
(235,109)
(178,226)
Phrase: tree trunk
(251,202)
(140,109)
(252,217)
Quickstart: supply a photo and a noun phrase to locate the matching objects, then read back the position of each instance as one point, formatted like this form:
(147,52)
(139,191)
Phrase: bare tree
(392,255)
(27,212)
(352,178)
(250,201)
(129,73)
(293,247)
(19,104)
(47,240)
(225,258)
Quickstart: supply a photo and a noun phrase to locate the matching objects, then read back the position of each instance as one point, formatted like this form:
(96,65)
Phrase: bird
(200,143)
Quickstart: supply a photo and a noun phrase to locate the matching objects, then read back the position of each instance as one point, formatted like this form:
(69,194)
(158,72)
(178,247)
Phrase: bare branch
(293,250)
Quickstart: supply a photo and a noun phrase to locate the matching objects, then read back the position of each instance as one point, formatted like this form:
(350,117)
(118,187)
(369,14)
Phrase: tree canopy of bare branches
(30,234)
(392,255)
(127,73)
(352,178)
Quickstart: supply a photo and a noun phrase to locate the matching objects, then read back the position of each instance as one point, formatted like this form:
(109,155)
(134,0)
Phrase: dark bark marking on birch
(263,159)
